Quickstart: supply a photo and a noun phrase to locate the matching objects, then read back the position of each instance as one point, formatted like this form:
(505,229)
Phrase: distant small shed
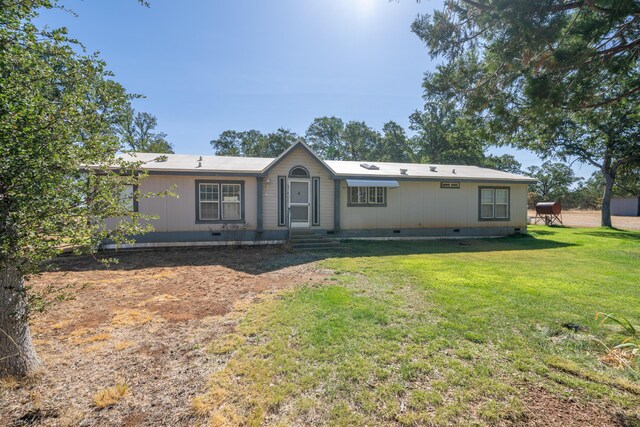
(625,206)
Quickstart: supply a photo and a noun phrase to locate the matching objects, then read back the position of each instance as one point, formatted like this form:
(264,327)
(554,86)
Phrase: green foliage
(58,143)
(588,193)
(445,136)
(324,136)
(559,78)
(627,181)
(504,162)
(554,183)
(442,136)
(620,320)
(359,141)
(137,133)
(394,145)
(253,143)
(629,346)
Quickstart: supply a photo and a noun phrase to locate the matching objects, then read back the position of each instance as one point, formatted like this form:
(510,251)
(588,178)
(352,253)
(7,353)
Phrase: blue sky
(208,66)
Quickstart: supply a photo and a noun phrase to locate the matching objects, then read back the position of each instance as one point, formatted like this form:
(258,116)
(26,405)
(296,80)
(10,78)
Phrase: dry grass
(200,406)
(226,344)
(123,345)
(131,317)
(92,339)
(158,299)
(79,332)
(9,383)
(166,306)
(62,324)
(618,358)
(110,396)
(95,347)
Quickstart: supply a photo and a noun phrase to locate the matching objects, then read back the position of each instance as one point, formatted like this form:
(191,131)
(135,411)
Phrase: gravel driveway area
(592,219)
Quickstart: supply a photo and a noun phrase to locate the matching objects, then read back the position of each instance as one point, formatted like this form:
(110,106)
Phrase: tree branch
(608,101)
(482,7)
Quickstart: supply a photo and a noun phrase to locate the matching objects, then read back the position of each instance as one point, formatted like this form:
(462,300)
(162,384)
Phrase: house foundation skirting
(274,237)
(409,233)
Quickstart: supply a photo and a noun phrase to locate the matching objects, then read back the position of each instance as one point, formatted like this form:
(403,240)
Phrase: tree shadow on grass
(258,260)
(615,234)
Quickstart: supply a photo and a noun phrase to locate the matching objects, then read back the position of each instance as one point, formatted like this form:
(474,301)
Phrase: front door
(299,197)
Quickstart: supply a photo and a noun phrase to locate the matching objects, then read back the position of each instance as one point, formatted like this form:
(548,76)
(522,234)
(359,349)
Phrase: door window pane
(299,213)
(299,192)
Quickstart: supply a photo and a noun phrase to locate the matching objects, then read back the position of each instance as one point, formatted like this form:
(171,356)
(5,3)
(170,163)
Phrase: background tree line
(441,134)
(557,77)
(439,137)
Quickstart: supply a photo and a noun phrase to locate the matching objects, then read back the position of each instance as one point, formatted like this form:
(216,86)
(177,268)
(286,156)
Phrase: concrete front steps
(308,240)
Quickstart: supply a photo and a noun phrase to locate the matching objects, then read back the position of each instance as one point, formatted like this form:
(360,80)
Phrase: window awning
(372,183)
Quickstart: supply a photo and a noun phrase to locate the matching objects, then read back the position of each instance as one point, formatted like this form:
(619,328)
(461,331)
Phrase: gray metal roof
(184,163)
(425,171)
(192,163)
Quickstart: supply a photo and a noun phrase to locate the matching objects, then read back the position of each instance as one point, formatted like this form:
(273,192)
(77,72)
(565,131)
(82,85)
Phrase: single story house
(224,200)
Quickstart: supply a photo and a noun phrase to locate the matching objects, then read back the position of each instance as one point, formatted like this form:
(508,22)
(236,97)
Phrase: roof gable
(292,147)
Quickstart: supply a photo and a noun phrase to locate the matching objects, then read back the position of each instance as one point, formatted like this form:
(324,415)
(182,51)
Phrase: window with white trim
(367,196)
(494,203)
(219,201)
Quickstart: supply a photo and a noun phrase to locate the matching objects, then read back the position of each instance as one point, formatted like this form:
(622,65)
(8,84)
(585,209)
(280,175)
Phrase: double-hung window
(231,204)
(494,203)
(128,197)
(367,196)
(219,201)
(209,201)
(376,195)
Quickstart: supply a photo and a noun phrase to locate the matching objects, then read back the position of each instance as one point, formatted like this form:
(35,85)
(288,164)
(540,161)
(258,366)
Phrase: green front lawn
(438,332)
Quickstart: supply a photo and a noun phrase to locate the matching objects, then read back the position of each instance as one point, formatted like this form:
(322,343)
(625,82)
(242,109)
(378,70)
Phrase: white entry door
(299,202)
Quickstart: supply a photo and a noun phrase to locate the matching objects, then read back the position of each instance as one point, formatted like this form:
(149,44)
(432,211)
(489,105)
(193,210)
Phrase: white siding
(179,213)
(298,157)
(425,205)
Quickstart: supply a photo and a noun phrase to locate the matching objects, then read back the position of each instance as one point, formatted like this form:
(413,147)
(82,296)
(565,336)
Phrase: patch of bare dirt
(545,409)
(144,322)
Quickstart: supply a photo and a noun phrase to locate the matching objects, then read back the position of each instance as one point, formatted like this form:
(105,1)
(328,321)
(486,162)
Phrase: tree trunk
(606,199)
(17,354)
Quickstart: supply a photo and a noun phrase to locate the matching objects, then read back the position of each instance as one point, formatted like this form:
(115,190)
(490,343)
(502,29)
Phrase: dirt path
(144,322)
(592,219)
